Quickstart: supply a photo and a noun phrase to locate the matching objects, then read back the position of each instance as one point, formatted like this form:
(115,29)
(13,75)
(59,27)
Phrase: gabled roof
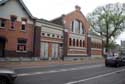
(49,22)
(22,4)
(58,20)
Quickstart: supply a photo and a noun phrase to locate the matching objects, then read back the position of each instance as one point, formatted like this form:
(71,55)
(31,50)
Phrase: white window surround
(21,46)
(77,27)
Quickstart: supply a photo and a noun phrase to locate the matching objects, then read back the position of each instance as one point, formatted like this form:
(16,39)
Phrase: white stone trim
(76,54)
(72,47)
(51,41)
(95,49)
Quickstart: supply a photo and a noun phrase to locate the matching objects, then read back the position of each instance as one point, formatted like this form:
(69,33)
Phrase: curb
(19,65)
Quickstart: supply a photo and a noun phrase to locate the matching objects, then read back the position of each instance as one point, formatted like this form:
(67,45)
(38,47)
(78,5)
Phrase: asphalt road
(71,74)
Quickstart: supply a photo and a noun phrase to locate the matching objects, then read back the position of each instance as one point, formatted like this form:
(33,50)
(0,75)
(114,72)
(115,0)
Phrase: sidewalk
(46,63)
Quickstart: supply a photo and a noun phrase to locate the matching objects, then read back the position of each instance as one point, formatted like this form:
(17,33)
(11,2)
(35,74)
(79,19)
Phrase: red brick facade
(69,43)
(76,15)
(12,35)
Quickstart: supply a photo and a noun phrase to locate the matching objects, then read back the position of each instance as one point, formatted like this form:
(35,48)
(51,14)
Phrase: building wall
(76,15)
(96,46)
(12,7)
(51,41)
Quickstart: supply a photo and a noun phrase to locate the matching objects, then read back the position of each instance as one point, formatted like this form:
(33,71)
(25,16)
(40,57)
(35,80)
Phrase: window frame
(77,27)
(13,20)
(23,23)
(19,44)
(2,21)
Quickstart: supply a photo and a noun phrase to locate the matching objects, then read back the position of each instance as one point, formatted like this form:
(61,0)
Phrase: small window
(2,22)
(61,36)
(48,34)
(43,34)
(53,35)
(13,21)
(57,36)
(23,26)
(61,45)
(21,45)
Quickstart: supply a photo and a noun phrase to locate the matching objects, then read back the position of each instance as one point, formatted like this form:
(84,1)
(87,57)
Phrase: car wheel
(117,65)
(106,65)
(3,80)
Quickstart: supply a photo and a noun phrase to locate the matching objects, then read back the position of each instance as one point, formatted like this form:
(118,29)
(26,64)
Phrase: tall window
(21,45)
(23,26)
(83,43)
(2,22)
(77,27)
(13,21)
(70,41)
(73,26)
(80,43)
(74,42)
(77,42)
(81,28)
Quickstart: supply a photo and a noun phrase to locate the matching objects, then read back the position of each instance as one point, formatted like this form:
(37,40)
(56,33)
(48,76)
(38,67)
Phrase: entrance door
(44,51)
(2,47)
(54,51)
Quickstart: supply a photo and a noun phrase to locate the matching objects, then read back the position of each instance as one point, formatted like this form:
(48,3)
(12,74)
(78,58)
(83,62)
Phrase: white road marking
(60,70)
(95,77)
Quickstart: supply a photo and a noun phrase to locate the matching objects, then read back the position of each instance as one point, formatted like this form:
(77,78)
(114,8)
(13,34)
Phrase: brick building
(78,43)
(16,30)
(51,40)
(66,37)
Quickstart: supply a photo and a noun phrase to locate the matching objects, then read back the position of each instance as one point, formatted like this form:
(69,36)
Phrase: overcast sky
(50,9)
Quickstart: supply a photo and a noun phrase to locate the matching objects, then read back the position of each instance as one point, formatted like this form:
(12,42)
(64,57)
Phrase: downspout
(34,37)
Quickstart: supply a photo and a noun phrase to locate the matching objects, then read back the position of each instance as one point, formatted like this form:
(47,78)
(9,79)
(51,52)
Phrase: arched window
(77,43)
(70,41)
(73,42)
(77,27)
(83,43)
(80,43)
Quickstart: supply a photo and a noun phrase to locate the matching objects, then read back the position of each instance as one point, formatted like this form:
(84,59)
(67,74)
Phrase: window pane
(77,26)
(23,27)
(13,21)
(21,41)
(81,28)
(2,23)
(21,45)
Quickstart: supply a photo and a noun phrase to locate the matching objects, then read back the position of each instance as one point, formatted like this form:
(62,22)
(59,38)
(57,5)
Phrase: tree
(108,21)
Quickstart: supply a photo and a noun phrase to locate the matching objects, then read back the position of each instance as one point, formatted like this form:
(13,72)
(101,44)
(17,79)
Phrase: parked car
(111,60)
(7,76)
(123,59)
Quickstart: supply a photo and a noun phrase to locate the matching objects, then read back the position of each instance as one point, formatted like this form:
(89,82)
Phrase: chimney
(77,7)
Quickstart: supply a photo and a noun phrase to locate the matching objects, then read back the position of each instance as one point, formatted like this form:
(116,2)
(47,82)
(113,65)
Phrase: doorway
(2,46)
